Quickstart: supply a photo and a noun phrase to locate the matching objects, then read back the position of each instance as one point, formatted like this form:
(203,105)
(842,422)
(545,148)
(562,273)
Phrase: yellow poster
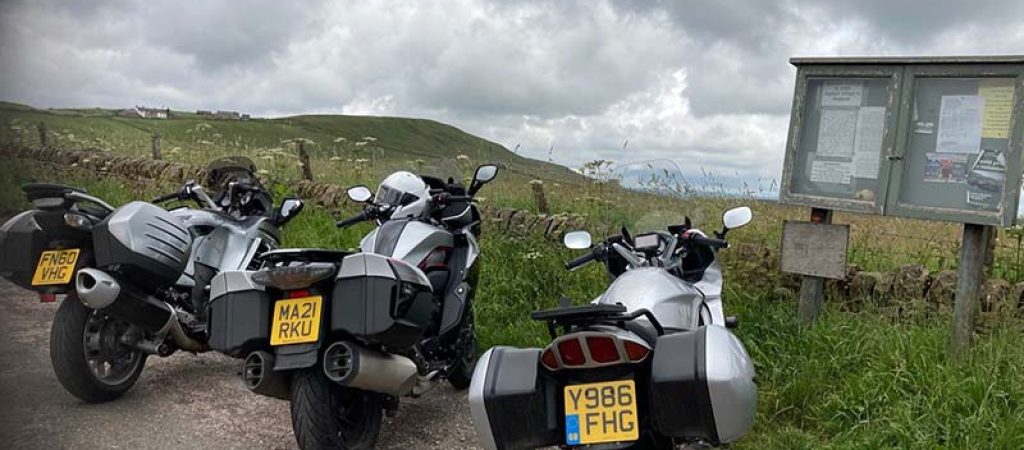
(998,95)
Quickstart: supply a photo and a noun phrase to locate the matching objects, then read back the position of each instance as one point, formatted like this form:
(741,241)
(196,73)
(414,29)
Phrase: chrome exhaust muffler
(95,288)
(355,366)
(259,376)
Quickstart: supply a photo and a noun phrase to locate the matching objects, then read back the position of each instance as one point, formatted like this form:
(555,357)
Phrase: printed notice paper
(835,132)
(960,124)
(835,172)
(998,96)
(841,93)
(867,147)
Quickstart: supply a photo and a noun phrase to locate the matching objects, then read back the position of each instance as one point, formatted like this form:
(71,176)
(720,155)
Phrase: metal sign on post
(935,138)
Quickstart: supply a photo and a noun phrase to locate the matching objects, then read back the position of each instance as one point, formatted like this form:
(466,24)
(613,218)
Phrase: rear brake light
(635,351)
(602,349)
(571,352)
(289,278)
(549,360)
(298,294)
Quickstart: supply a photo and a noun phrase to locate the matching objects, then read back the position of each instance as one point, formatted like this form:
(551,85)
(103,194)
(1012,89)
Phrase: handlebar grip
(164,198)
(576,263)
(361,217)
(710,242)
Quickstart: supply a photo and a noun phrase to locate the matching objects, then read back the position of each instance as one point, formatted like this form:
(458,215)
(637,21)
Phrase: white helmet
(404,191)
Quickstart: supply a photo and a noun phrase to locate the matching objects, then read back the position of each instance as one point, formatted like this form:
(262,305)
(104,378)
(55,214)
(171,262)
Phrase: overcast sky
(706,83)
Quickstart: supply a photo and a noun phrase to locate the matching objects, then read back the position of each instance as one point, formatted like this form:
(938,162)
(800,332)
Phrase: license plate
(601,412)
(55,267)
(296,321)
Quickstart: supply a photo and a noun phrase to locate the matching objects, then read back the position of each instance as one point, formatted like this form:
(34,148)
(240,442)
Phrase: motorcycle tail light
(289,278)
(437,259)
(549,360)
(299,293)
(602,349)
(571,352)
(635,351)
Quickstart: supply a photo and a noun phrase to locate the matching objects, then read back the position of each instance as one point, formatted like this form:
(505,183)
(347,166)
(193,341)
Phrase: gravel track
(184,401)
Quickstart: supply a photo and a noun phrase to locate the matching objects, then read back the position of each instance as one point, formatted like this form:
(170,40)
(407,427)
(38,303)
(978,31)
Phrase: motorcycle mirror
(290,207)
(360,193)
(485,173)
(577,240)
(736,217)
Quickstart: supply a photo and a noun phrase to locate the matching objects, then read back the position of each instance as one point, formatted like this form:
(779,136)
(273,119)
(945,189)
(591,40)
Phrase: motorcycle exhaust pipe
(95,288)
(100,291)
(354,366)
(259,376)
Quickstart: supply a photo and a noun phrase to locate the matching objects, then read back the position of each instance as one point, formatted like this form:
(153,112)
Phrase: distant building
(145,113)
(203,112)
(227,115)
(246,117)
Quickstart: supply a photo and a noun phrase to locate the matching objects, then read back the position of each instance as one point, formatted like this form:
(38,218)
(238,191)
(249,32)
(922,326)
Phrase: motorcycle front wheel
(326,415)
(87,354)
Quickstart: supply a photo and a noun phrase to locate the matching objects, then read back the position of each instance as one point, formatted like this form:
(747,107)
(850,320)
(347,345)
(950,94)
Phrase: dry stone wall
(330,196)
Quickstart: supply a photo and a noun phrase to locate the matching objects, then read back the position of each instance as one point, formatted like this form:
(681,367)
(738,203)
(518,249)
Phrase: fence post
(307,170)
(43,137)
(970,272)
(539,197)
(812,289)
(156,145)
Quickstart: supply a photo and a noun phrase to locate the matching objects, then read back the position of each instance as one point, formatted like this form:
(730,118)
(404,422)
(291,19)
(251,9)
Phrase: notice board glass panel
(956,153)
(841,140)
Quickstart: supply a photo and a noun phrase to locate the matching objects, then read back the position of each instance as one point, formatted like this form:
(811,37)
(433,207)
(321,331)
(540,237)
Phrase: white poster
(841,93)
(835,132)
(835,172)
(960,124)
(867,147)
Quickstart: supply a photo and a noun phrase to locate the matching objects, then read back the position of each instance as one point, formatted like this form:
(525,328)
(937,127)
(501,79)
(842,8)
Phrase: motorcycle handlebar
(576,263)
(361,217)
(710,242)
(164,198)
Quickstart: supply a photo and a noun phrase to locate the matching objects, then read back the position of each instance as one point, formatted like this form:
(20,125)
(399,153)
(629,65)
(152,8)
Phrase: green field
(873,376)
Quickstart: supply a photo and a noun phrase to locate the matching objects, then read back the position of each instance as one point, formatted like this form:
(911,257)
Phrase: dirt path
(182,402)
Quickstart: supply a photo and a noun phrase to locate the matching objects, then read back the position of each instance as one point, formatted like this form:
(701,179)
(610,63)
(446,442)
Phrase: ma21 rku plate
(55,267)
(601,412)
(296,320)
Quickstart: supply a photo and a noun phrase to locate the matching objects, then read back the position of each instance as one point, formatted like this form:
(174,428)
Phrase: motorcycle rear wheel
(326,415)
(87,356)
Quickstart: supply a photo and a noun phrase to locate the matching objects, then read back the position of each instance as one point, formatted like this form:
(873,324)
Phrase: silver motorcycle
(343,335)
(136,276)
(650,363)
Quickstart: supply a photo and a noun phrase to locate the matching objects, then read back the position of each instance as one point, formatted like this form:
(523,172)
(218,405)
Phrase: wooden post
(812,289)
(970,272)
(539,197)
(43,137)
(307,170)
(156,145)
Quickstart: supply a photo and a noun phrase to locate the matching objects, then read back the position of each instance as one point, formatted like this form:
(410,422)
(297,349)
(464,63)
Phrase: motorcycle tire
(326,415)
(461,374)
(88,361)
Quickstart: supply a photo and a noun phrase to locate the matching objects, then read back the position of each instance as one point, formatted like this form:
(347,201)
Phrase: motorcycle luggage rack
(568,316)
(275,257)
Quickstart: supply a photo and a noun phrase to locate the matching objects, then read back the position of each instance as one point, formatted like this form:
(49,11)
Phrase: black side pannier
(382,300)
(239,314)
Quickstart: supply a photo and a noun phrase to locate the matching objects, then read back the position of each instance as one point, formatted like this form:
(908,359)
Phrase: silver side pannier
(702,386)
